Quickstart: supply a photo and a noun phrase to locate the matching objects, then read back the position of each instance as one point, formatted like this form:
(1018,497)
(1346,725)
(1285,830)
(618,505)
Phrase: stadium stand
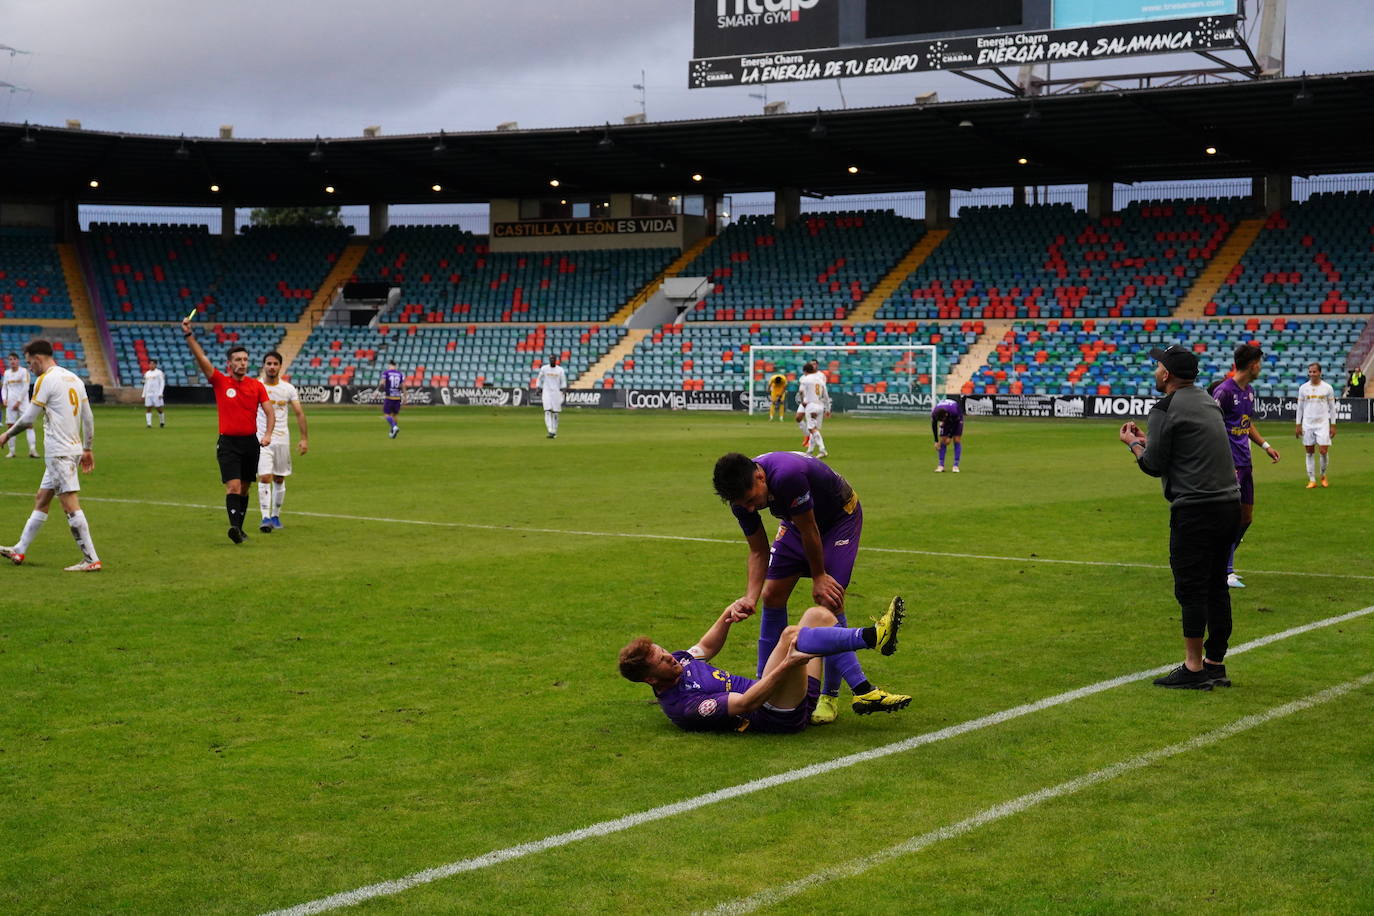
(717,358)
(31,281)
(448,274)
(1098,358)
(136,344)
(1313,257)
(67,348)
(818,269)
(467,356)
(1051,261)
(158,272)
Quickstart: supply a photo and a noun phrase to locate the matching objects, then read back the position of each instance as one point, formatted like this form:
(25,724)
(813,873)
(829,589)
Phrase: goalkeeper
(777,395)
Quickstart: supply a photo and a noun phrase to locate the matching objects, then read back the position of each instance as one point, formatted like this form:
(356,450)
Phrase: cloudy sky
(297,68)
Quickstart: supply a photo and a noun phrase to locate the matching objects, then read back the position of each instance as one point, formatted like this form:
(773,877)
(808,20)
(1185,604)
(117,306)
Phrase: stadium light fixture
(436,188)
(1032,116)
(696,176)
(329,189)
(439,147)
(853,170)
(818,130)
(966,123)
(94,182)
(1210,150)
(605,143)
(1303,97)
(214,189)
(316,154)
(1022,160)
(554,182)
(181,152)
(28,140)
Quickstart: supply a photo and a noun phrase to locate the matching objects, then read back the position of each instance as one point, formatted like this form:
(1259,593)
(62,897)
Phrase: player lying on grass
(698,696)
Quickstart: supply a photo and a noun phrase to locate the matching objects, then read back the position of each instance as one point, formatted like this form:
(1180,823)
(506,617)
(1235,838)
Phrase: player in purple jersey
(819,537)
(394,389)
(947,425)
(697,696)
(1237,401)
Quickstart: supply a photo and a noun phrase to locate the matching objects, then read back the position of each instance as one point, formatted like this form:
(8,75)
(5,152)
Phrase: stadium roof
(1126,136)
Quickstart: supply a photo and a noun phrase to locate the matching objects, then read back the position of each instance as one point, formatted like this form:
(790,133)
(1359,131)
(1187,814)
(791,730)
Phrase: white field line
(605,828)
(997,812)
(520,529)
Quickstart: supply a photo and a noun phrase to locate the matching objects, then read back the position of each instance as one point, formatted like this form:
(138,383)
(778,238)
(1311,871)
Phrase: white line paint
(858,866)
(644,536)
(387,888)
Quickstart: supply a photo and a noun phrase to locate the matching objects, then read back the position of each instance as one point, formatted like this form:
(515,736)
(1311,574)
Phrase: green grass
(218,729)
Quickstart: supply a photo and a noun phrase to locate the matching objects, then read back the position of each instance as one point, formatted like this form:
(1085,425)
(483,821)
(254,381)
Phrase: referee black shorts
(238,458)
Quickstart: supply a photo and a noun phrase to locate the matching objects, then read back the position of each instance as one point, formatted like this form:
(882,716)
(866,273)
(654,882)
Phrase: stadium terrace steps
(96,362)
(1194,305)
(597,371)
(299,332)
(977,356)
(672,270)
(868,309)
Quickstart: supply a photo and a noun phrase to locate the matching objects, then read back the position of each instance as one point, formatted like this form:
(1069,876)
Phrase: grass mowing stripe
(856,867)
(496,857)
(699,540)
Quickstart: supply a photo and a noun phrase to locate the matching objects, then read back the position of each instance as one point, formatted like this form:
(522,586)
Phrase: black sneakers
(1217,673)
(237,536)
(1183,679)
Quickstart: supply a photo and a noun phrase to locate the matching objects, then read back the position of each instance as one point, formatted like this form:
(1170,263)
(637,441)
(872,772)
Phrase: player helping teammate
(274,460)
(68,435)
(16,396)
(813,406)
(1316,425)
(947,425)
(822,521)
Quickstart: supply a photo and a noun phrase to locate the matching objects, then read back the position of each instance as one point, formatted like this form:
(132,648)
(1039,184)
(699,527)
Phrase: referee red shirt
(237,403)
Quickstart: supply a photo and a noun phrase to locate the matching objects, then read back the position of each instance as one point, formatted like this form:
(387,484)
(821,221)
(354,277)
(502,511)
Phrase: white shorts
(12,414)
(60,474)
(1316,435)
(275,460)
(152,400)
(815,415)
(553,400)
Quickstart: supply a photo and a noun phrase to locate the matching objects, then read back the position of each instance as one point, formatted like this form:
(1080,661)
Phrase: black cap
(1181,363)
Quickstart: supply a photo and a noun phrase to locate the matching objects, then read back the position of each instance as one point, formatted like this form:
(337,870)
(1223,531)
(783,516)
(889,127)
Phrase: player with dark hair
(1316,421)
(274,460)
(394,389)
(16,398)
(697,696)
(237,397)
(819,537)
(1237,401)
(947,425)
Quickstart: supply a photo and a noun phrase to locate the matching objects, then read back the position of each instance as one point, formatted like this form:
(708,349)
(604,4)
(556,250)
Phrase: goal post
(876,378)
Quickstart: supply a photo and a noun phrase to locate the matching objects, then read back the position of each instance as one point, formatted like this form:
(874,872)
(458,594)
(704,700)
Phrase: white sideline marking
(1017,805)
(700,540)
(496,857)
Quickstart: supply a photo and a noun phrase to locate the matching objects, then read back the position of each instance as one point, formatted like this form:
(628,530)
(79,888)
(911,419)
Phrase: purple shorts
(950,430)
(773,721)
(391,406)
(839,545)
(1246,478)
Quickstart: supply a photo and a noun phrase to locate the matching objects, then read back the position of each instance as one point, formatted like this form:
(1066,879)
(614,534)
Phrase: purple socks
(772,621)
(958,452)
(942,453)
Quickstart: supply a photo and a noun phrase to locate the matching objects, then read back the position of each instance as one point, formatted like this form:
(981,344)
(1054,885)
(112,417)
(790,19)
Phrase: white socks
(31,527)
(265,499)
(148,418)
(551,421)
(81,533)
(817,441)
(1311,467)
(278,497)
(1325,458)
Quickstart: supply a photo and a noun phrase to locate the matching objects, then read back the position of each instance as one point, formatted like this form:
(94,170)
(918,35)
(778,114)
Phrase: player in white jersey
(274,461)
(1316,425)
(68,433)
(16,397)
(154,384)
(813,406)
(551,381)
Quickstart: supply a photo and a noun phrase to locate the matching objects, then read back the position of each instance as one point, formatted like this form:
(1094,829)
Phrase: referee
(237,397)
(1189,450)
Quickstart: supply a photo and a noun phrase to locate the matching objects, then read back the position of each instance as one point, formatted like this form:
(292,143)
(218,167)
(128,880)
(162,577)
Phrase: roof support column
(1099,198)
(378,219)
(937,208)
(786,207)
(228,222)
(1273,191)
(67,219)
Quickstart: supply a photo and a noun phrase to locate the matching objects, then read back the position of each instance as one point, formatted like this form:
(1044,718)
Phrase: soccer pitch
(418,672)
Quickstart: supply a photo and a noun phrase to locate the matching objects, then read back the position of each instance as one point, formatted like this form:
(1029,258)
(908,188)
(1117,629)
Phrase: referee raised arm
(237,398)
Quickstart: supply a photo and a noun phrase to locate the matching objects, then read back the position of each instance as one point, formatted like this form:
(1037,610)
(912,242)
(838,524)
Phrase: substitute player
(274,461)
(813,406)
(822,522)
(1316,425)
(16,395)
(394,388)
(1237,401)
(551,381)
(777,396)
(68,435)
(237,397)
(154,384)
(697,696)
(947,425)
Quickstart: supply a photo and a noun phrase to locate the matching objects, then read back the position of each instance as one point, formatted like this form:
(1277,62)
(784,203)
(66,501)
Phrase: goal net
(871,378)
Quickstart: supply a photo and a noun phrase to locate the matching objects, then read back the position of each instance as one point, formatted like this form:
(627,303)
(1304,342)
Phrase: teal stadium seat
(32,284)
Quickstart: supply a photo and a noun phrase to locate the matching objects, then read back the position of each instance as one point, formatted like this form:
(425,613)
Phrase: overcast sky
(297,68)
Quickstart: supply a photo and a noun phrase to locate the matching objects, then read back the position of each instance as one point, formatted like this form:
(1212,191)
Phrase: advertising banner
(565,228)
(724,27)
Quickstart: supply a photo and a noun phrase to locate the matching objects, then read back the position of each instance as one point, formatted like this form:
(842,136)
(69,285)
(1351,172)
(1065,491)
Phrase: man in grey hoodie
(1188,450)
